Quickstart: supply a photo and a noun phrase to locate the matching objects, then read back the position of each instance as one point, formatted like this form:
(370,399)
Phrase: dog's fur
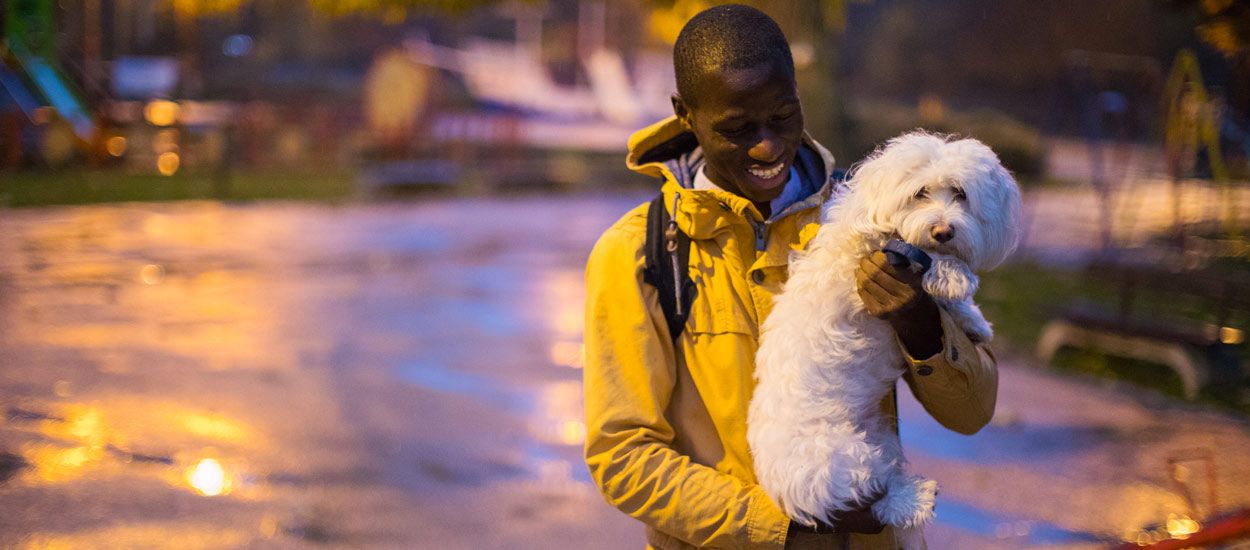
(819,440)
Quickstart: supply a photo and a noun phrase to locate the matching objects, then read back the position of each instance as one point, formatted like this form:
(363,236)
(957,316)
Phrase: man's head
(736,92)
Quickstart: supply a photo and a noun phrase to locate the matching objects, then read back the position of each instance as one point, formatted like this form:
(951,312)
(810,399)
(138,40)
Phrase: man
(666,419)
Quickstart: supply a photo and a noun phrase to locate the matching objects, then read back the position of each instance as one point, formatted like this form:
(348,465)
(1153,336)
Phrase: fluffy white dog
(819,440)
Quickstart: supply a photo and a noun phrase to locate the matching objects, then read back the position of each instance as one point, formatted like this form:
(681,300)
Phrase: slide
(54,90)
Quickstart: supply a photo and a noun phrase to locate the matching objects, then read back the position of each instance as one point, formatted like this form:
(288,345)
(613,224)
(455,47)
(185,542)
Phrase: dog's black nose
(942,233)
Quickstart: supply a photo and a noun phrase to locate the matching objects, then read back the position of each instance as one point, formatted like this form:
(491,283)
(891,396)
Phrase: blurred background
(308,273)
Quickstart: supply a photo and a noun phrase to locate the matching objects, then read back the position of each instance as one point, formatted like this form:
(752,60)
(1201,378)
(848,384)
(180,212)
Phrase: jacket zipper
(761,234)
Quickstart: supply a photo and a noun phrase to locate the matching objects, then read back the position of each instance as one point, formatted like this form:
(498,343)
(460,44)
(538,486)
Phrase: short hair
(732,36)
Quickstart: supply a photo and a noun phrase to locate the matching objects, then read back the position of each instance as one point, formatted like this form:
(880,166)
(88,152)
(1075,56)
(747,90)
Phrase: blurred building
(287,82)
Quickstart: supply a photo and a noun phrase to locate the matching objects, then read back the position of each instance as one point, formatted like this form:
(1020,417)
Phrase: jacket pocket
(717,311)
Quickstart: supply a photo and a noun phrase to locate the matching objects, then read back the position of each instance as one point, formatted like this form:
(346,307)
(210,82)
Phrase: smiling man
(666,409)
(743,110)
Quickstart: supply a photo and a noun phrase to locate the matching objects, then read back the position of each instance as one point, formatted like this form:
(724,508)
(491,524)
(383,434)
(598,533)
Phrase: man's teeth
(766,173)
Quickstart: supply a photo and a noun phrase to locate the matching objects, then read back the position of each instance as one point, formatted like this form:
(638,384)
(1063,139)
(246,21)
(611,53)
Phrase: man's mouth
(767,172)
(768,178)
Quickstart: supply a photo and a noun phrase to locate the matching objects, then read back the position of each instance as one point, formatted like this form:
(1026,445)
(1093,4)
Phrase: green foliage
(390,9)
(1020,298)
(24,189)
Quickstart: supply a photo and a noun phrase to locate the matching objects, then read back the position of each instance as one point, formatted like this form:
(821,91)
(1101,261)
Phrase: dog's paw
(950,279)
(908,502)
(970,319)
(979,333)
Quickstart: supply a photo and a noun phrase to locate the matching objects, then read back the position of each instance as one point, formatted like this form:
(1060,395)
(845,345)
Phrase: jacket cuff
(959,385)
(767,524)
(957,352)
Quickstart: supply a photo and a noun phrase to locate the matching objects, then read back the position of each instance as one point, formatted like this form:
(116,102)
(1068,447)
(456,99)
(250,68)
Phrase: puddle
(408,239)
(1017,443)
(549,446)
(480,316)
(435,377)
(1018,531)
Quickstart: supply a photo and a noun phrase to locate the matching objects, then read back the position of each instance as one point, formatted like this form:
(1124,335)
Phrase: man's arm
(958,386)
(629,379)
(956,380)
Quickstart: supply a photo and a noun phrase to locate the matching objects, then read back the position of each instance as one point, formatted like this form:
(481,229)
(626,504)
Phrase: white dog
(819,440)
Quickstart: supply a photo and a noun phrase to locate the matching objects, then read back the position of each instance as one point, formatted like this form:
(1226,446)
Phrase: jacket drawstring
(670,244)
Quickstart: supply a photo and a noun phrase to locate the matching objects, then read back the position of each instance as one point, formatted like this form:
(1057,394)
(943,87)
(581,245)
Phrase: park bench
(1202,354)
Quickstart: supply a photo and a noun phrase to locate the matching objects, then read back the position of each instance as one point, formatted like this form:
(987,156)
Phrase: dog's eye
(960,195)
(922,193)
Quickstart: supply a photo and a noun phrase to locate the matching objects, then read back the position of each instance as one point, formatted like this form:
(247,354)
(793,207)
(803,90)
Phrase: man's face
(750,125)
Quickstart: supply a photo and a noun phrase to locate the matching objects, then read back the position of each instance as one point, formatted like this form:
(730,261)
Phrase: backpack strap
(667,266)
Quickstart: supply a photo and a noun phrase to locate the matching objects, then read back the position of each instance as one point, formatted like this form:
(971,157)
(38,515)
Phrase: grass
(82,186)
(1020,298)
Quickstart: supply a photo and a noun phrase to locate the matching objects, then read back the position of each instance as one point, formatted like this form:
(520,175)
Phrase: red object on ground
(1226,528)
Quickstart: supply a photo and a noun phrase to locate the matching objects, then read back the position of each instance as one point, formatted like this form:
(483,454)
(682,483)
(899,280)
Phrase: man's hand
(850,521)
(895,294)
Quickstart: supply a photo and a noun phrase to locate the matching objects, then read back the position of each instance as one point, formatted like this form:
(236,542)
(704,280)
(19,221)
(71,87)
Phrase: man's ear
(683,112)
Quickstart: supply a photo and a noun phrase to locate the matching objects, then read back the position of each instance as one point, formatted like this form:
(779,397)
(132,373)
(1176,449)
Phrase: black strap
(667,267)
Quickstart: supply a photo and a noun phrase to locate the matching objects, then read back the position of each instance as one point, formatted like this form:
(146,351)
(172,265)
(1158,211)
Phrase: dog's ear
(867,215)
(881,183)
(994,197)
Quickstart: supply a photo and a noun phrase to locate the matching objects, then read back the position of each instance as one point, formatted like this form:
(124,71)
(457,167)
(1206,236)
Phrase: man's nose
(942,232)
(768,148)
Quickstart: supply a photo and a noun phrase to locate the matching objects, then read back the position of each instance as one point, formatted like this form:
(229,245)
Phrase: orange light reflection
(209,478)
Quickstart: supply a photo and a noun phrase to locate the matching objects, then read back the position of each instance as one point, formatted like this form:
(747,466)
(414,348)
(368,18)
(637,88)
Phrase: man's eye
(922,193)
(784,116)
(736,131)
(960,195)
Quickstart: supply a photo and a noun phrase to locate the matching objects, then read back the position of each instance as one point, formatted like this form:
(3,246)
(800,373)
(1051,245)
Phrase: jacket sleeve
(959,385)
(629,378)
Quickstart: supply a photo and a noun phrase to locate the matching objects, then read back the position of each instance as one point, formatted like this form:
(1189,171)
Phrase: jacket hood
(666,150)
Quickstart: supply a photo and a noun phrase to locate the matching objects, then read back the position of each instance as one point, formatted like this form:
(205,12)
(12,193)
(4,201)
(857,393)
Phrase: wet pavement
(200,375)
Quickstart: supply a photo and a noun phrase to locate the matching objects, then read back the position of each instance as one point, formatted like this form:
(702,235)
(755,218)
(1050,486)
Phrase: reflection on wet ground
(1022,532)
(199,375)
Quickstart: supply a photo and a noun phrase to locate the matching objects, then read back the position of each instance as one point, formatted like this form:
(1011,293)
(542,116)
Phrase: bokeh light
(167,163)
(116,146)
(161,112)
(209,478)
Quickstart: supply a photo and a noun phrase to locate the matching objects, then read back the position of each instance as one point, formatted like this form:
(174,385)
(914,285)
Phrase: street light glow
(209,478)
(168,163)
(1180,527)
(161,112)
(116,146)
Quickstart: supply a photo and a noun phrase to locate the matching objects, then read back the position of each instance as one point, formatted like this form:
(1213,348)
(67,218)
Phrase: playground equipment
(1120,105)
(32,80)
(1205,353)
(1193,127)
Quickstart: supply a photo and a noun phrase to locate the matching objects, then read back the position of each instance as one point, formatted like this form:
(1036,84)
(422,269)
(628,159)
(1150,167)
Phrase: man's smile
(768,176)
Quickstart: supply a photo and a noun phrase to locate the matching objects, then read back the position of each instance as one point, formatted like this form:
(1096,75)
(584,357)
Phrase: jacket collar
(666,150)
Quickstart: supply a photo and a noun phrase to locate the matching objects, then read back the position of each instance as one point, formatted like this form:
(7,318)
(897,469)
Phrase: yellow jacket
(666,432)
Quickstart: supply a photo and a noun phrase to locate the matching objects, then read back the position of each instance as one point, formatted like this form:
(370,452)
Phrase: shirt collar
(790,194)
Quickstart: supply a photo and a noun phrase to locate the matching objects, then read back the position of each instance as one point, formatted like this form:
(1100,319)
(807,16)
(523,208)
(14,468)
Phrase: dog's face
(949,197)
